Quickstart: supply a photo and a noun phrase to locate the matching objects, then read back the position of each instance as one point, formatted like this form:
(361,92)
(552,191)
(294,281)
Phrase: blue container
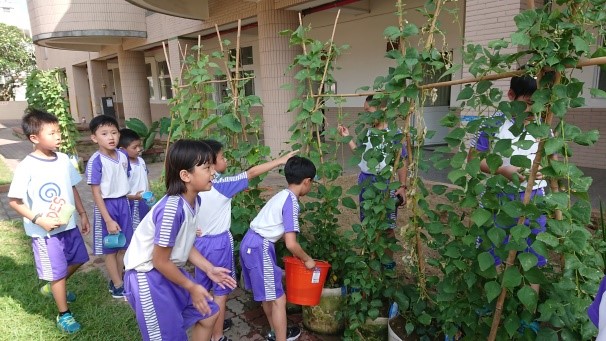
(112,241)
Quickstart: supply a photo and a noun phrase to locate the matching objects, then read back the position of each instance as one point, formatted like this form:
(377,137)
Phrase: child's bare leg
(59,294)
(111,264)
(203,329)
(120,264)
(267,309)
(71,269)
(218,327)
(277,318)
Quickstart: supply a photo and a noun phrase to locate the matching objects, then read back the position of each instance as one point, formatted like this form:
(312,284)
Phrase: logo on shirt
(48,191)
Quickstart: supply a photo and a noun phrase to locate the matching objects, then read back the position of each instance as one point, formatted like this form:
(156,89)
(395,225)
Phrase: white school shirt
(44,185)
(138,180)
(170,223)
(368,146)
(279,215)
(111,175)
(214,216)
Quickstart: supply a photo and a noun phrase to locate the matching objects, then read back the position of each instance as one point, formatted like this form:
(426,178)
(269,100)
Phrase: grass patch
(6,174)
(26,315)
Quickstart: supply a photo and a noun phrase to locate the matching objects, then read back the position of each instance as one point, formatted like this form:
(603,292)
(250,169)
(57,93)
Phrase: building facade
(114,49)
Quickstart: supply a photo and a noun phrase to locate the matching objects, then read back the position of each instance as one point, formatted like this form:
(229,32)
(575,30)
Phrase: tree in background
(16,59)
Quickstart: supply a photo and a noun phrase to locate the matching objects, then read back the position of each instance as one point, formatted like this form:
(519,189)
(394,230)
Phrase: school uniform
(138,182)
(260,271)
(112,177)
(213,221)
(164,309)
(45,186)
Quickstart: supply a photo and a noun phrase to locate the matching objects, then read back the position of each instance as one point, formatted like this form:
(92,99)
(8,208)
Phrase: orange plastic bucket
(304,286)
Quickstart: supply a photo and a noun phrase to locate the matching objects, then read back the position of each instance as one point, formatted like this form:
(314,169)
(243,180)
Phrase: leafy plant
(46,91)
(16,60)
(148,135)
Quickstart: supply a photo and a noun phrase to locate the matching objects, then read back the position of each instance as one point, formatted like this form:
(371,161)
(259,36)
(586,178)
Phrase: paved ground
(248,317)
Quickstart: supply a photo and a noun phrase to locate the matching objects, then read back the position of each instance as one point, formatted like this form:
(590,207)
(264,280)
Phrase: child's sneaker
(67,323)
(45,290)
(118,292)
(227,323)
(110,286)
(223,338)
(292,333)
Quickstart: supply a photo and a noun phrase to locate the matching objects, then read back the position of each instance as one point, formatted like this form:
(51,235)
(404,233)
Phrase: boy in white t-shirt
(163,294)
(130,143)
(107,174)
(278,219)
(214,241)
(42,191)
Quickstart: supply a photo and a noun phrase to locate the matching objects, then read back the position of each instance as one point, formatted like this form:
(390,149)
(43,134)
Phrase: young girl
(164,296)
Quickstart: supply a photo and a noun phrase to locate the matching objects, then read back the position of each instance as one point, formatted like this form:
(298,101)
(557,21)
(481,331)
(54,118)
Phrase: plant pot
(374,330)
(322,318)
(392,335)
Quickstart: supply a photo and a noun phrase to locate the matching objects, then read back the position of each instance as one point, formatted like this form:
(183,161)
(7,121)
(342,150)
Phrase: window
(150,80)
(441,95)
(166,91)
(249,84)
(246,56)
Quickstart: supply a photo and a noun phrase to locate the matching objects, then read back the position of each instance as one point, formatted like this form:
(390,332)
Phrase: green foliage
(16,58)
(148,135)
(47,91)
(320,215)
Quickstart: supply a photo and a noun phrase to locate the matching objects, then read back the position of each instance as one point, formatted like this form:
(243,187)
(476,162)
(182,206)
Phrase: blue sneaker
(110,286)
(118,292)
(45,290)
(67,323)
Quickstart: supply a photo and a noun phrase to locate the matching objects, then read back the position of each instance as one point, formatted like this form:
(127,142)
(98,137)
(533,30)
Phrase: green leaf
(465,94)
(587,138)
(520,38)
(548,239)
(553,145)
(512,278)
(480,216)
(493,290)
(580,44)
(527,260)
(425,319)
(349,203)
(496,235)
(494,162)
(410,30)
(317,117)
(392,33)
(521,161)
(485,261)
(528,297)
(595,92)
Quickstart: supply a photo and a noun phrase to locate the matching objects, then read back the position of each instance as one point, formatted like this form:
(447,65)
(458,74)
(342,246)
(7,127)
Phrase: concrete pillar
(135,88)
(79,93)
(98,80)
(275,56)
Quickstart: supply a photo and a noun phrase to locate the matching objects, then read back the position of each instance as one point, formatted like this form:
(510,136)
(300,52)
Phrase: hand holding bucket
(112,241)
(304,286)
(148,197)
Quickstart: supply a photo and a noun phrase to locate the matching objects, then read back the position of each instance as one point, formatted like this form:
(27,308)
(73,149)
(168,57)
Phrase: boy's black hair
(382,102)
(34,119)
(102,120)
(127,136)
(297,169)
(215,145)
(184,155)
(524,85)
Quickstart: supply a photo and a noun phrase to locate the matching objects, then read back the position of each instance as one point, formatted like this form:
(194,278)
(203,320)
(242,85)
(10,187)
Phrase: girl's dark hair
(524,85)
(100,121)
(297,169)
(184,155)
(34,119)
(127,136)
(215,145)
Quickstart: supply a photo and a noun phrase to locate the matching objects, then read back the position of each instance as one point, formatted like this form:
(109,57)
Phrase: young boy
(107,174)
(214,241)
(278,219)
(130,143)
(521,89)
(163,294)
(43,186)
(368,176)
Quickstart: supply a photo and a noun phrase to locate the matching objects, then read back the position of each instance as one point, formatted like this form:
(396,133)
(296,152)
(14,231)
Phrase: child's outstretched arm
(255,171)
(162,263)
(221,276)
(84,223)
(112,226)
(344,131)
(290,239)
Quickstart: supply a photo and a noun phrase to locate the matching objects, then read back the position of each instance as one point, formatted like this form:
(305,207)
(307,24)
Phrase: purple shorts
(119,210)
(164,310)
(259,269)
(219,251)
(366,180)
(139,209)
(54,254)
(538,228)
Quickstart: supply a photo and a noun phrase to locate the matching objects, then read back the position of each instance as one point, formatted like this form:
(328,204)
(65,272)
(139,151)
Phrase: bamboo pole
(172,116)
(512,254)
